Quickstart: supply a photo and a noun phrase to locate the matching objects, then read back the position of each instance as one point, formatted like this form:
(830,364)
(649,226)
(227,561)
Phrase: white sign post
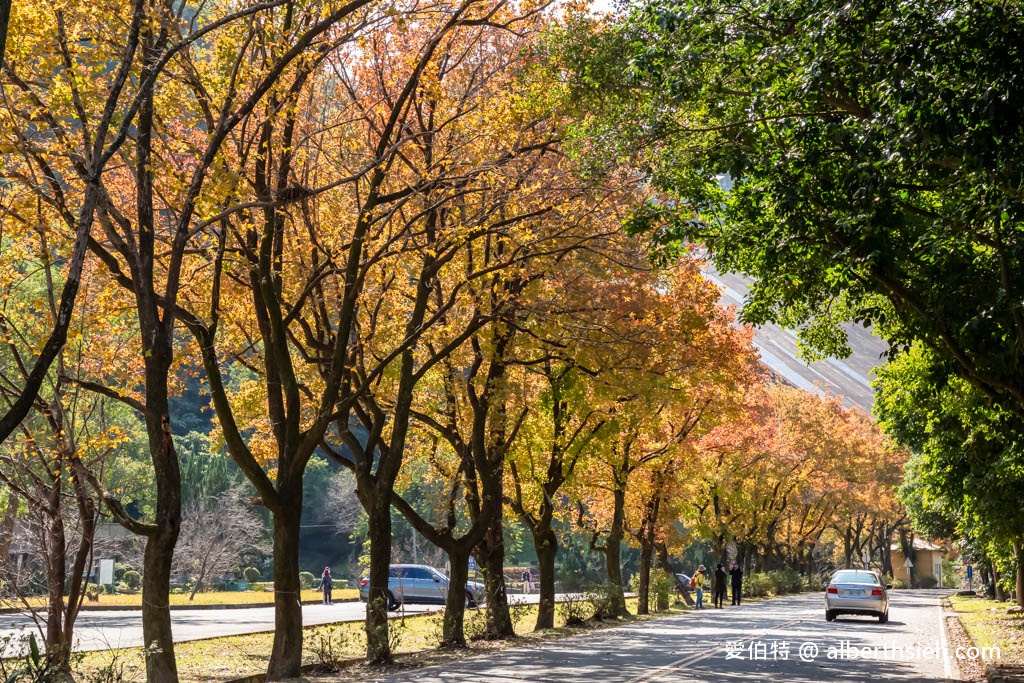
(908,564)
(106,572)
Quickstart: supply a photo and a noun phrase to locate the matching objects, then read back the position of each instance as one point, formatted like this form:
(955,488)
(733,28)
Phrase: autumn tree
(339,285)
(61,447)
(556,435)
(793,470)
(482,250)
(169,136)
(676,359)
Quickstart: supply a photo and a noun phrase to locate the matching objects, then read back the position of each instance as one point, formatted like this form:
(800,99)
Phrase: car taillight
(364,582)
(876,591)
(833,590)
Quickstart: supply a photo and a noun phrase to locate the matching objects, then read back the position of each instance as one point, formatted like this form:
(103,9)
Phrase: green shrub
(785,581)
(251,574)
(133,579)
(757,585)
(661,590)
(950,579)
(474,624)
(927,582)
(306,579)
(895,583)
(601,603)
(574,608)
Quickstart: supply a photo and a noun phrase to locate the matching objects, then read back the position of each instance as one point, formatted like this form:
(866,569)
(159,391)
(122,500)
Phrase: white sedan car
(857,591)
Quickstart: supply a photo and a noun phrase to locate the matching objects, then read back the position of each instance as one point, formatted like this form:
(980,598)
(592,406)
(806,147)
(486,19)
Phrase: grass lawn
(990,625)
(218,659)
(211,598)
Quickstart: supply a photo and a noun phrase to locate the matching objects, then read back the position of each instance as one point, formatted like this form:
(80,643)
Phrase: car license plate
(851,594)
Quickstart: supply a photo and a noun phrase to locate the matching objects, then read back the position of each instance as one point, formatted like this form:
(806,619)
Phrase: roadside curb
(173,608)
(956,633)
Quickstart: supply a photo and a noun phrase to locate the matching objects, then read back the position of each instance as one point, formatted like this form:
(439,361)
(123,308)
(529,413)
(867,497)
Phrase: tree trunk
(161,666)
(995,582)
(492,559)
(643,594)
(907,547)
(87,516)
(612,552)
(378,649)
(1018,554)
(57,657)
(885,544)
(742,557)
(286,655)
(454,634)
(665,566)
(546,543)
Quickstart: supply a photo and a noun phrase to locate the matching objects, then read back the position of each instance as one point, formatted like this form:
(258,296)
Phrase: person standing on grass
(718,587)
(736,572)
(698,583)
(326,585)
(527,581)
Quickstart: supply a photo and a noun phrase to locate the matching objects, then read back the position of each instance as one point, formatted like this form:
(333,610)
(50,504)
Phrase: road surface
(786,639)
(101,630)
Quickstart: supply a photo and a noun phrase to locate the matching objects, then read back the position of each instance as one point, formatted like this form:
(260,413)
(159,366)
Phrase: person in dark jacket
(327,585)
(737,582)
(718,587)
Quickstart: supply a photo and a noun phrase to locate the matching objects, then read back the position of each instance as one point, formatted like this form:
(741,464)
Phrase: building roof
(849,378)
(921,544)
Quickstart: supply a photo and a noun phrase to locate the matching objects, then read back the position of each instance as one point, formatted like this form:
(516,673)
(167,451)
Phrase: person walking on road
(718,587)
(736,573)
(327,585)
(698,583)
(527,581)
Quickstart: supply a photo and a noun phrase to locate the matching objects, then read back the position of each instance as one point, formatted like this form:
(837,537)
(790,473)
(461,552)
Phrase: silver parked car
(419,584)
(857,591)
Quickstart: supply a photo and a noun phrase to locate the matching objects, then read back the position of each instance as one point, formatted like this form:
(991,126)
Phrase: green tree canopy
(862,161)
(966,476)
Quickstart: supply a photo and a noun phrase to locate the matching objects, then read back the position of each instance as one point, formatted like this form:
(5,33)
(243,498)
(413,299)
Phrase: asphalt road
(785,639)
(101,630)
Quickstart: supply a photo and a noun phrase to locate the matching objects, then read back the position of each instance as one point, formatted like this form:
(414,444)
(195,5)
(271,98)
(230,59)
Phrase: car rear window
(855,577)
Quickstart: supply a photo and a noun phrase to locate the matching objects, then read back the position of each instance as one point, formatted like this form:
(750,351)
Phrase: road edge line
(947,664)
